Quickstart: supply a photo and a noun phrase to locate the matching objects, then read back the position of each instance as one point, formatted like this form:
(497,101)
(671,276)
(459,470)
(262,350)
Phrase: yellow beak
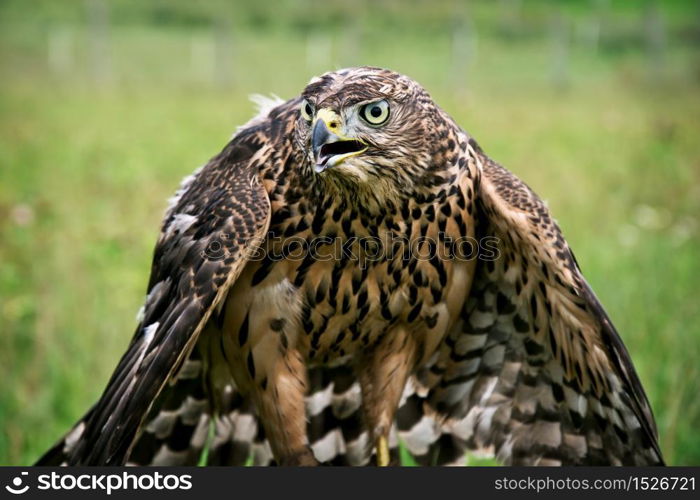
(329,143)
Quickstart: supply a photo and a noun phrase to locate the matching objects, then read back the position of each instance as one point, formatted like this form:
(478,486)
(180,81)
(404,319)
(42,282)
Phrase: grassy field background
(104,106)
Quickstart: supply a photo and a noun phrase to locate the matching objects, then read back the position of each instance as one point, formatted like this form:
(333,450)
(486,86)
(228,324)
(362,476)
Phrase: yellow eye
(375,113)
(307,110)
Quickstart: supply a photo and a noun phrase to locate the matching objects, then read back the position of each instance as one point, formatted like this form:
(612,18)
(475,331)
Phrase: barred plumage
(310,302)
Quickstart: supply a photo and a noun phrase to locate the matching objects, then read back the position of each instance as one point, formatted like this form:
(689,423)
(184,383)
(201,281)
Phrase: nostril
(333,124)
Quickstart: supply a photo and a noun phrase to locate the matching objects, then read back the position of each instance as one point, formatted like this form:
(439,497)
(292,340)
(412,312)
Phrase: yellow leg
(382,452)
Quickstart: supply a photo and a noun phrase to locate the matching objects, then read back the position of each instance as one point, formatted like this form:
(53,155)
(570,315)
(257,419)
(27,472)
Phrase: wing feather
(214,224)
(535,372)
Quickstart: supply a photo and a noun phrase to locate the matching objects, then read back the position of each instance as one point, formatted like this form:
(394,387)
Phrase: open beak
(329,146)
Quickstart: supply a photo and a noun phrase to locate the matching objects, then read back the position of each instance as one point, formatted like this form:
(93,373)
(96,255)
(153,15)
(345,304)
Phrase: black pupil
(308,109)
(376,111)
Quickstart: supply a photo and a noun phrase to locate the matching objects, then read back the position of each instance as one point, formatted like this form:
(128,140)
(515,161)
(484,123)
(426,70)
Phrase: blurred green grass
(90,152)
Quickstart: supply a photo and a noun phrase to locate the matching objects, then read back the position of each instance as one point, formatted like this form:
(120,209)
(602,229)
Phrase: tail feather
(58,454)
(178,425)
(182,425)
(237,439)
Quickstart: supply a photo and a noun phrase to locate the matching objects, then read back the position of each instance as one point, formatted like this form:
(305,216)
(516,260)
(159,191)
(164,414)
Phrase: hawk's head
(369,124)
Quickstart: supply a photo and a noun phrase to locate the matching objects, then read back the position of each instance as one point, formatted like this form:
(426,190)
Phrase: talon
(382,452)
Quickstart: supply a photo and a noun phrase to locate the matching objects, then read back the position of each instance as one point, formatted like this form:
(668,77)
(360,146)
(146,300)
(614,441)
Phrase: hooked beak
(329,146)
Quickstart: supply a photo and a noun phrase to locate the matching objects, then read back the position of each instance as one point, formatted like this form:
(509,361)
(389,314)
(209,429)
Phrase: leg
(383,374)
(265,363)
(280,404)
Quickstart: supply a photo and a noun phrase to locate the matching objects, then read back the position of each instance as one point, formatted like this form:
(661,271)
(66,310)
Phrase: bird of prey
(352,272)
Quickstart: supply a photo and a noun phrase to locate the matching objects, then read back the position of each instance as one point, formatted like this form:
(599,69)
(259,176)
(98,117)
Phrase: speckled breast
(334,284)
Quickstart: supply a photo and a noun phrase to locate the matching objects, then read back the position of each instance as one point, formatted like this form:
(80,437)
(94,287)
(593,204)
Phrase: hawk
(352,272)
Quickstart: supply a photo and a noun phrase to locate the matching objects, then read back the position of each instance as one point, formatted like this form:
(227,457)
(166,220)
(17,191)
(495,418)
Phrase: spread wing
(535,372)
(215,223)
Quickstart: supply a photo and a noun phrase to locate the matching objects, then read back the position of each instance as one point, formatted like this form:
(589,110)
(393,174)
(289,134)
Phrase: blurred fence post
(203,57)
(318,53)
(588,29)
(223,52)
(559,51)
(510,17)
(61,49)
(98,40)
(350,45)
(655,34)
(463,50)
